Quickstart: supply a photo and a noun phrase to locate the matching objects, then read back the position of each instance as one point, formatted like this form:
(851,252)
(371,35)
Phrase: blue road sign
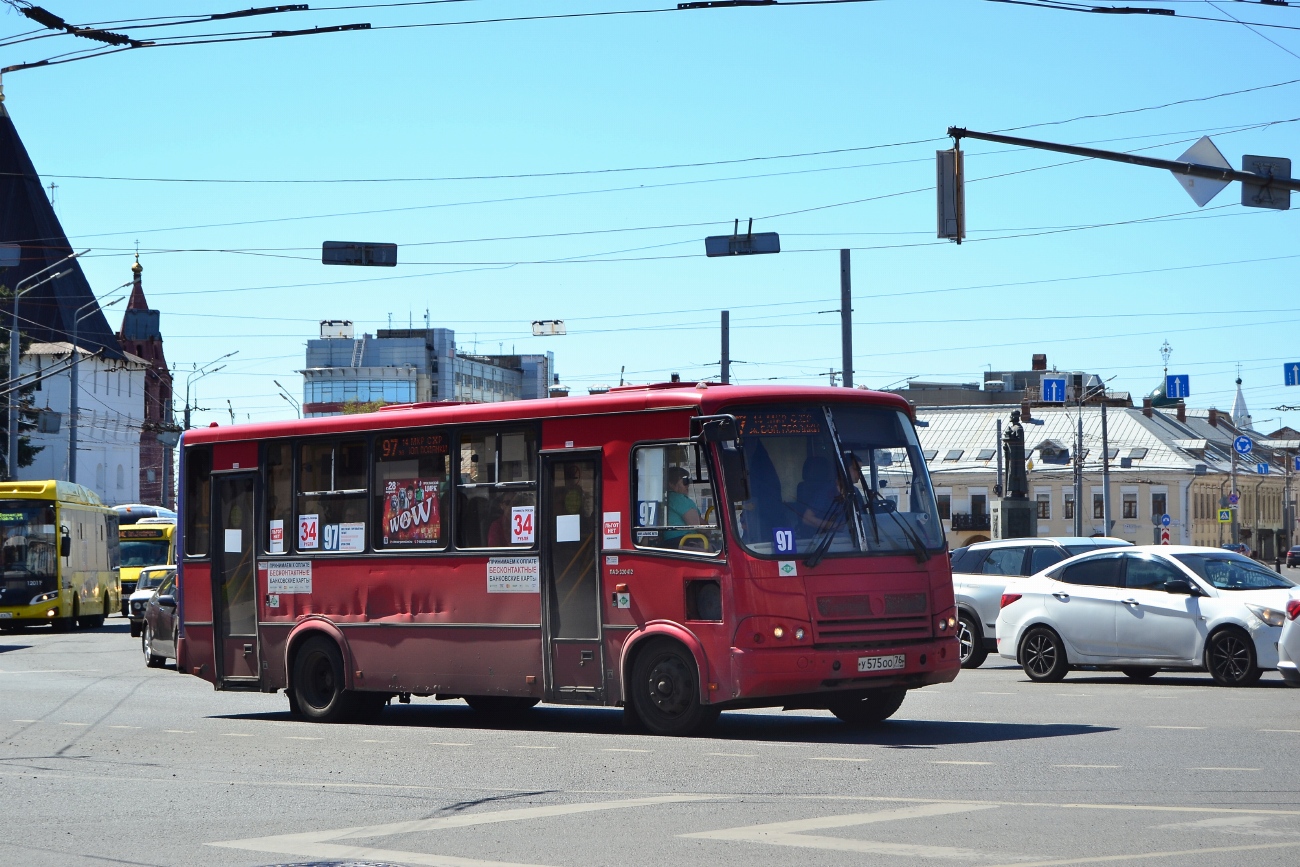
(1291,373)
(1243,445)
(1053,390)
(1165,520)
(1297,463)
(1262,469)
(1176,386)
(1233,498)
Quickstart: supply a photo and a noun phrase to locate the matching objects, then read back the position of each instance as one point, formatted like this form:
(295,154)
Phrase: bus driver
(682,511)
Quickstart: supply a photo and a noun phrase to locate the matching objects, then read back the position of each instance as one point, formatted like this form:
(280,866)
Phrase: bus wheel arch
(304,632)
(666,687)
(639,640)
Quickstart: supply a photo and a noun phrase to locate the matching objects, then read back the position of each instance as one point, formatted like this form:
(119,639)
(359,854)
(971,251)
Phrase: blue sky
(580,94)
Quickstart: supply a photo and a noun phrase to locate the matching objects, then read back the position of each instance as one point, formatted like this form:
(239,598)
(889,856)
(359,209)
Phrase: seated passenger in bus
(817,495)
(681,509)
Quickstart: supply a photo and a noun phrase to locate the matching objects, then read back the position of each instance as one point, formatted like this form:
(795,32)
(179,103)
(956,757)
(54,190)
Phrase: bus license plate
(881,663)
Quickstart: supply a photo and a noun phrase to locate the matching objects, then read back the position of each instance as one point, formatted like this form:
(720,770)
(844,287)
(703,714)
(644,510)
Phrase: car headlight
(45,597)
(1271,616)
(137,607)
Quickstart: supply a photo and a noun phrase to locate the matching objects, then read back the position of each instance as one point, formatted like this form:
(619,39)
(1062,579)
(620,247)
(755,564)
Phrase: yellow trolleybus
(59,550)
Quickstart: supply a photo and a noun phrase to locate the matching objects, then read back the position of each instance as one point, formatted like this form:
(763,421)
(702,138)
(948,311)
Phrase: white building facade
(110,398)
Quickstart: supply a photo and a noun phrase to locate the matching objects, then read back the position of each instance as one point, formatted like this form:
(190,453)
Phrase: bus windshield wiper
(830,525)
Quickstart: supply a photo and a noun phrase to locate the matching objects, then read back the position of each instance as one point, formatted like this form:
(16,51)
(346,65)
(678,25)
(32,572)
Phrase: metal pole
(997,448)
(726,347)
(72,406)
(846,318)
(1236,527)
(1105,474)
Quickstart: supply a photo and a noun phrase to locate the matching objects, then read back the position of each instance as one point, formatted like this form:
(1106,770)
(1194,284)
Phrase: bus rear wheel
(318,683)
(94,621)
(66,624)
(874,707)
(665,691)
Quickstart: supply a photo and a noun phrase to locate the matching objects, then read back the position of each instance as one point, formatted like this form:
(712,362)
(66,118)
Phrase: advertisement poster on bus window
(411,512)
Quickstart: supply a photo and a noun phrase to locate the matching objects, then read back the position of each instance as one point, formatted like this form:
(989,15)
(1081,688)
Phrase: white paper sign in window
(613,530)
(568,528)
(275,541)
(234,541)
(521,525)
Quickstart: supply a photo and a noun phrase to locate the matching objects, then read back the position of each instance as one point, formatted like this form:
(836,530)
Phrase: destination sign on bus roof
(140,533)
(784,423)
(414,446)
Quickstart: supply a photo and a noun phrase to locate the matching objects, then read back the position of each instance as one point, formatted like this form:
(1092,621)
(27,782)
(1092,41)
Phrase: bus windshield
(29,539)
(834,480)
(144,552)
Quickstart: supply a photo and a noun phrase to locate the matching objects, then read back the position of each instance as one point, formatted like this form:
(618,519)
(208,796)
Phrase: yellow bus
(148,542)
(59,550)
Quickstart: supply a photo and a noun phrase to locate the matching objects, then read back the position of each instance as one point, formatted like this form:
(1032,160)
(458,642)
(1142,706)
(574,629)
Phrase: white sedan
(1288,645)
(1146,608)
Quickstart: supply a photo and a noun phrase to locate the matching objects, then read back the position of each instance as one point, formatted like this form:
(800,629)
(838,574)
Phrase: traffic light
(952,196)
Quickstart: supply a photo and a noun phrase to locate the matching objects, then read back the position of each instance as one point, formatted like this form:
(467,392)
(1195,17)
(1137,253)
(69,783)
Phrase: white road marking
(611,750)
(177,732)
(375,742)
(1181,728)
(322,844)
(836,759)
(793,833)
(24,720)
(73,724)
(236,735)
(1270,731)
(125,727)
(1181,853)
(449,744)
(952,762)
(301,738)
(738,755)
(532,747)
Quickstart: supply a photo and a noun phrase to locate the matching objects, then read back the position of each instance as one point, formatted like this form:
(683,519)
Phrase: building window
(1159,504)
(1067,509)
(1044,501)
(1131,506)
(945,506)
(979,504)
(1099,508)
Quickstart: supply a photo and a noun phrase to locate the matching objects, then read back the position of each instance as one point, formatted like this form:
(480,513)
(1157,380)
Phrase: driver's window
(1143,573)
(674,505)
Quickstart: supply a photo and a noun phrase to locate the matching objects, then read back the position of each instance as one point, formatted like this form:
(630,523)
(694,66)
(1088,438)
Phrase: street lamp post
(11,462)
(198,373)
(284,393)
(73,396)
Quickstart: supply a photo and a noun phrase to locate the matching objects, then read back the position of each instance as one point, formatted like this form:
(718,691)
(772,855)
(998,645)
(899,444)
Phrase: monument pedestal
(1014,518)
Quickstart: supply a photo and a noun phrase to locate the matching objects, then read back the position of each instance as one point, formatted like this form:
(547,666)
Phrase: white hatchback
(1146,608)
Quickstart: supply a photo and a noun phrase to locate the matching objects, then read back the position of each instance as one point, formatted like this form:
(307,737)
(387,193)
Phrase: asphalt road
(104,761)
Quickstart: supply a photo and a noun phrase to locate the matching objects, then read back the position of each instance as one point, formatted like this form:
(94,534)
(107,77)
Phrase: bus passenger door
(570,573)
(234,579)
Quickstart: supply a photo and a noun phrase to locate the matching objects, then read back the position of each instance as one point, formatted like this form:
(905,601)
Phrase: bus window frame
(718,556)
(452,435)
(336,439)
(182,517)
(535,485)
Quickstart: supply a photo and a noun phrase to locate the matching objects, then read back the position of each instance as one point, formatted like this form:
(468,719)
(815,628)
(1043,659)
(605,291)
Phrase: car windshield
(151,580)
(142,552)
(1233,572)
(28,539)
(834,479)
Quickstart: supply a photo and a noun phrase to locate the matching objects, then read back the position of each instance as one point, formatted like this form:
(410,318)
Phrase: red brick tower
(140,335)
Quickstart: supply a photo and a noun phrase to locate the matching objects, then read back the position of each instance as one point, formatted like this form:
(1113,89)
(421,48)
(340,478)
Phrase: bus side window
(114,543)
(279,496)
(332,492)
(410,490)
(674,503)
(198,501)
(496,490)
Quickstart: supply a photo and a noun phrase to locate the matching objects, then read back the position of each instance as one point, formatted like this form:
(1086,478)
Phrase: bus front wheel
(665,691)
(876,706)
(318,693)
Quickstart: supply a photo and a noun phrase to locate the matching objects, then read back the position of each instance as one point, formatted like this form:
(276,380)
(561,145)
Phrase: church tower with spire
(141,336)
(1240,414)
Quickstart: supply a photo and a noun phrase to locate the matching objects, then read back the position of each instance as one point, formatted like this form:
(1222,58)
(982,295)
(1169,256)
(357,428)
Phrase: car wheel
(970,642)
(665,691)
(146,645)
(875,707)
(1230,658)
(500,705)
(1140,673)
(1042,655)
(318,682)
(135,630)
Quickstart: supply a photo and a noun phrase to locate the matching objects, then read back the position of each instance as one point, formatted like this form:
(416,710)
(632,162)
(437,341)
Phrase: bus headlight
(45,597)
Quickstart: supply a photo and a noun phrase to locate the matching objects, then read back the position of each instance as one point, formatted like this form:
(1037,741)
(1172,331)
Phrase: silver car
(981,571)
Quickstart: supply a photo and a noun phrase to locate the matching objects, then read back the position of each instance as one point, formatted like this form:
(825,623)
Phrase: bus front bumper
(31,615)
(801,671)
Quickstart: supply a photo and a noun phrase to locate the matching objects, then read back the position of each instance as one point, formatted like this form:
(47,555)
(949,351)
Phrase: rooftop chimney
(1181,412)
(1039,361)
(1024,411)
(1146,407)
(1214,418)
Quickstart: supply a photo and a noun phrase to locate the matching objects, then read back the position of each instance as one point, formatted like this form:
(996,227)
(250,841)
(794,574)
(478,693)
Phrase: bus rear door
(234,580)
(570,511)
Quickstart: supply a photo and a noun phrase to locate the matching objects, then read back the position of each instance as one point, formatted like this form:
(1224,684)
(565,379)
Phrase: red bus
(674,549)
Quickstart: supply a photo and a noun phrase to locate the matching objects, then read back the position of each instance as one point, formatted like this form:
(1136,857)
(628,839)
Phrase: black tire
(150,659)
(67,624)
(665,690)
(970,642)
(1042,655)
(318,682)
(92,621)
(368,706)
(135,629)
(1230,658)
(1140,673)
(871,709)
(500,705)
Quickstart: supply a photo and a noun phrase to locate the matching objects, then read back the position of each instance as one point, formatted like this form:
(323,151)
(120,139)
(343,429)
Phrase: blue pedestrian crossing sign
(1176,386)
(1243,445)
(1262,469)
(1291,373)
(1053,390)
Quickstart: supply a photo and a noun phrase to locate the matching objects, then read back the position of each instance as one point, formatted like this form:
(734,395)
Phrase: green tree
(355,407)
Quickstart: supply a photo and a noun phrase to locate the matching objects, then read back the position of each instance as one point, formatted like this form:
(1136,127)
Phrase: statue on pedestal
(1013,454)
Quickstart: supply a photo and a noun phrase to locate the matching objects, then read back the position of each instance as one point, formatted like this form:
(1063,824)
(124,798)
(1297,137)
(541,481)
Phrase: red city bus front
(679,550)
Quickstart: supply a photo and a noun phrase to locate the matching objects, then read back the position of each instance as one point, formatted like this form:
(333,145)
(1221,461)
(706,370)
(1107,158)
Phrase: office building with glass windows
(411,365)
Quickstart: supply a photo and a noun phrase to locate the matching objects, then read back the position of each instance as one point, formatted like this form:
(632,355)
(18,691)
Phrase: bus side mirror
(735,474)
(715,429)
(65,545)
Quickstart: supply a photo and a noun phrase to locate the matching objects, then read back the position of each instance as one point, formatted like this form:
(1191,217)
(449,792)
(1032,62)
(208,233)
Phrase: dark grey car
(161,627)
